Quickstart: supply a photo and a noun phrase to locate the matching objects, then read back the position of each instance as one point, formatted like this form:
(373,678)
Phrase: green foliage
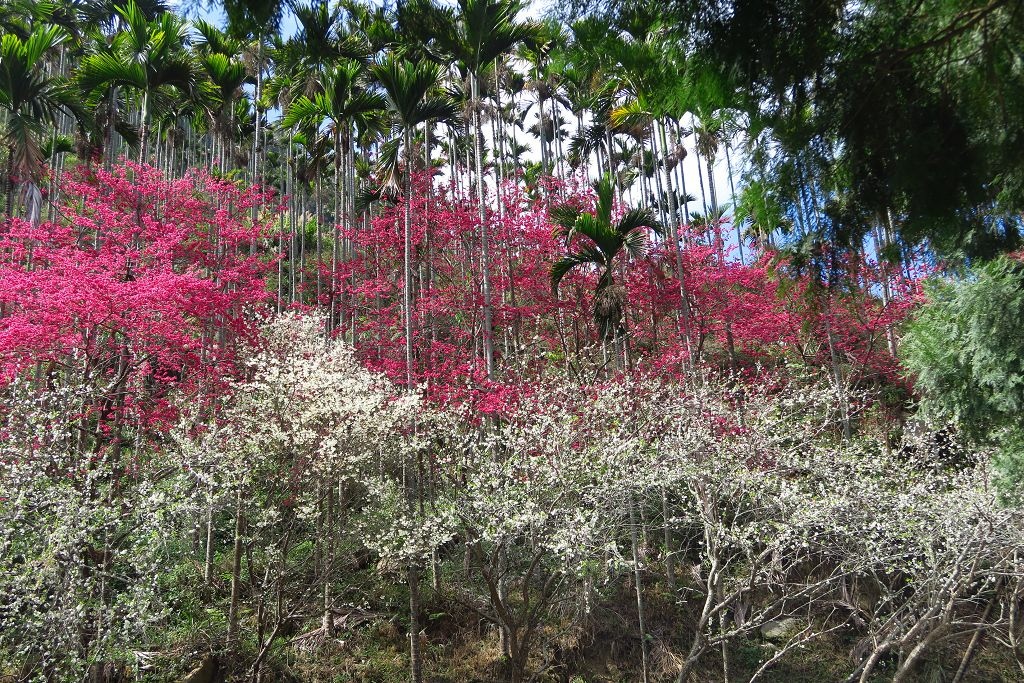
(605,239)
(864,98)
(30,98)
(966,349)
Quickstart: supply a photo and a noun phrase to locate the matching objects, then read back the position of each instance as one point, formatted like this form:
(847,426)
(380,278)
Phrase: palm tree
(227,76)
(708,133)
(149,57)
(219,55)
(30,100)
(343,103)
(604,241)
(320,44)
(408,90)
(310,152)
(537,52)
(257,19)
(473,36)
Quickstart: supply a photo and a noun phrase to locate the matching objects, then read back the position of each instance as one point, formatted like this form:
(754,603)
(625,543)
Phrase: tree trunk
(236,574)
(407,260)
(485,251)
(208,563)
(634,546)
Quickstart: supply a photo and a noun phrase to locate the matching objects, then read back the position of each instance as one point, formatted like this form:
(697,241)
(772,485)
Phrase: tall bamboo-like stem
(485,248)
(637,581)
(351,153)
(317,236)
(415,653)
(407,259)
(662,194)
(673,200)
(336,235)
(883,275)
(236,573)
(670,559)
(143,127)
(328,557)
(680,170)
(732,199)
(256,109)
(208,556)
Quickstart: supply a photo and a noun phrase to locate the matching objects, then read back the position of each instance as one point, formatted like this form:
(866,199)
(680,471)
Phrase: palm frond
(564,216)
(436,108)
(387,164)
(605,198)
(566,264)
(635,243)
(635,220)
(104,69)
(630,115)
(302,111)
(406,85)
(58,144)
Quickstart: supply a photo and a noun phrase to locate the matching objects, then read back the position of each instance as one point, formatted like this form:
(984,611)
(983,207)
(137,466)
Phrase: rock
(205,673)
(782,629)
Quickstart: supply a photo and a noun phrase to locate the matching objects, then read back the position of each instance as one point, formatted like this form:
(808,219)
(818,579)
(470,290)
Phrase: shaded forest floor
(370,645)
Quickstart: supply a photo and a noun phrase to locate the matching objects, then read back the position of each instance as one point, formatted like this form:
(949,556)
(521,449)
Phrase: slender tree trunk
(883,276)
(143,128)
(634,546)
(485,250)
(208,560)
(236,574)
(407,261)
(351,172)
(328,616)
(415,653)
(837,371)
(670,559)
(673,203)
(732,199)
(336,236)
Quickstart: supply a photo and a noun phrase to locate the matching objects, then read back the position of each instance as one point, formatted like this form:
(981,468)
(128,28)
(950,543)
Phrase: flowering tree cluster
(752,515)
(147,283)
(238,425)
(84,543)
(141,285)
(735,316)
(156,416)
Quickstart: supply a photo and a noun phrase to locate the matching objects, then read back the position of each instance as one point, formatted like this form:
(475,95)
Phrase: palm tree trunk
(680,169)
(208,558)
(407,260)
(336,237)
(415,653)
(351,172)
(713,220)
(732,199)
(673,200)
(328,615)
(656,174)
(670,559)
(143,129)
(883,276)
(485,255)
